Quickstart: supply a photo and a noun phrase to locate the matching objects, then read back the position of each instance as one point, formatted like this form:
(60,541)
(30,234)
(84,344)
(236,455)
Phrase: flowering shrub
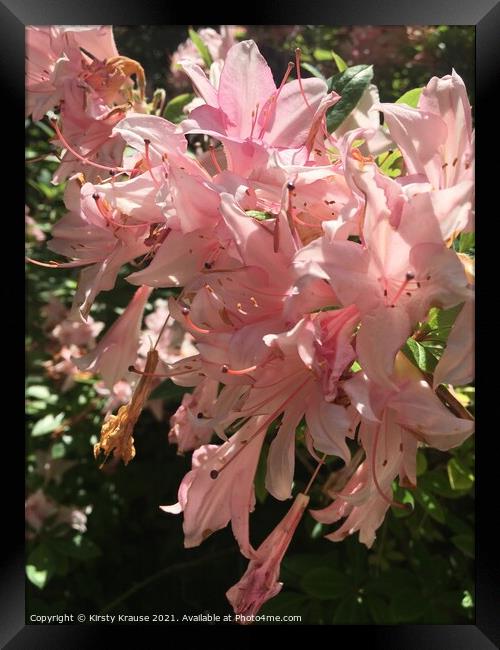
(320,275)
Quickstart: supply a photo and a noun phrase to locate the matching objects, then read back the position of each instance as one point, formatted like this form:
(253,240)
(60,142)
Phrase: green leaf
(326,584)
(313,70)
(403,496)
(394,580)
(410,97)
(407,605)
(294,567)
(40,566)
(349,611)
(38,392)
(379,610)
(465,542)
(438,483)
(387,163)
(47,424)
(58,450)
(260,215)
(421,463)
(467,600)
(459,476)
(284,604)
(173,111)
(431,505)
(341,64)
(350,85)
(440,322)
(467,243)
(201,47)
(323,55)
(420,355)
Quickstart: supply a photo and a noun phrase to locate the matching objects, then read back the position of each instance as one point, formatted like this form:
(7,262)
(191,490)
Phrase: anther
(185,311)
(290,186)
(214,474)
(208,265)
(410,276)
(224,369)
(199,415)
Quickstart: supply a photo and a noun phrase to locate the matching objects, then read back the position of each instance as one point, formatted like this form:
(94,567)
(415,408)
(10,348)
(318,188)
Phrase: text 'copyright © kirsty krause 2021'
(55,619)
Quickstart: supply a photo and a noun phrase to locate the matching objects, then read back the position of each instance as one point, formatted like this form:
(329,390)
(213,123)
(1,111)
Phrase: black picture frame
(485,15)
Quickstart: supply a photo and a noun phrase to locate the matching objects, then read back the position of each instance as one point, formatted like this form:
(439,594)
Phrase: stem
(449,400)
(315,473)
(452,403)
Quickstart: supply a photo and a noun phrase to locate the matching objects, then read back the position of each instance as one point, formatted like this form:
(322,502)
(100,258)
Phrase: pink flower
(299,378)
(393,423)
(437,143)
(191,424)
(260,581)
(247,107)
(53,312)
(362,514)
(62,366)
(218,44)
(39,507)
(400,272)
(219,488)
(69,332)
(456,366)
(33,229)
(117,349)
(96,235)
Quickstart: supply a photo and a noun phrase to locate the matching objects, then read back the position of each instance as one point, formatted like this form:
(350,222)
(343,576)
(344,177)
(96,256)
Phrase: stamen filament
(84,160)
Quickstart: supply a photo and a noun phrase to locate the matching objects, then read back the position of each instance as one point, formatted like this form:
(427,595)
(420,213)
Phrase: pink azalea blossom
(97,236)
(39,507)
(117,349)
(191,424)
(220,489)
(393,424)
(393,279)
(260,581)
(217,43)
(247,109)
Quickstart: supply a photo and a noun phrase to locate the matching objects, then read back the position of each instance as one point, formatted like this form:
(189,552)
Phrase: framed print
(251,335)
